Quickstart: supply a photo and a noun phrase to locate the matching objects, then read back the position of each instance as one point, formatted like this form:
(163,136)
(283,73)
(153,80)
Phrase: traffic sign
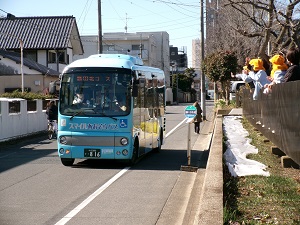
(190,111)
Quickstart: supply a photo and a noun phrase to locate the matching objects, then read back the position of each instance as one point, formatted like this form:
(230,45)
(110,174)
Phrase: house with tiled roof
(38,47)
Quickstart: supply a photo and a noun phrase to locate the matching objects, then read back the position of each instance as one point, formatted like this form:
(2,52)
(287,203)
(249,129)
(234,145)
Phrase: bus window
(96,94)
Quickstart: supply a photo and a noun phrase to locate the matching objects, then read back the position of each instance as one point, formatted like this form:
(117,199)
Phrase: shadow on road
(19,153)
(166,159)
(13,155)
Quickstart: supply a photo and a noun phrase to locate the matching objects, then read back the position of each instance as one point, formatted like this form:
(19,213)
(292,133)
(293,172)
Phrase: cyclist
(52,114)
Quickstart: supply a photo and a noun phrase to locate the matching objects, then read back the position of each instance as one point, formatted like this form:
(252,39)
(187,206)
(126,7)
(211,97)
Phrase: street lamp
(175,66)
(11,17)
(177,99)
(22,75)
(203,93)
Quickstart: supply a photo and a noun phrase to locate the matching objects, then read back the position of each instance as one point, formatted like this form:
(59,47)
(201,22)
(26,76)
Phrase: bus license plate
(95,153)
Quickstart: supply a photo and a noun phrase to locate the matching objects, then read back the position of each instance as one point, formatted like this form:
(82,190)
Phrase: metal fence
(277,116)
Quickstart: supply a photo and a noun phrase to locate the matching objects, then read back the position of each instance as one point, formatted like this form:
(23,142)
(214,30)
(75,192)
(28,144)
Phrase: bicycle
(51,131)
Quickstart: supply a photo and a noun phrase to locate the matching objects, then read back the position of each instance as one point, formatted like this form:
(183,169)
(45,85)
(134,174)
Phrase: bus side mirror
(135,88)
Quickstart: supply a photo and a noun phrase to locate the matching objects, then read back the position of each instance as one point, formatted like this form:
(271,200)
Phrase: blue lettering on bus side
(93,126)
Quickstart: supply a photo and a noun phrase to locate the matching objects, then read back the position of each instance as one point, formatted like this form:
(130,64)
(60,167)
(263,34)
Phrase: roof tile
(36,32)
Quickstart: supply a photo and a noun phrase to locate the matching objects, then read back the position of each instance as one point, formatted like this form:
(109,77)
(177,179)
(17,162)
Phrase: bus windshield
(95,94)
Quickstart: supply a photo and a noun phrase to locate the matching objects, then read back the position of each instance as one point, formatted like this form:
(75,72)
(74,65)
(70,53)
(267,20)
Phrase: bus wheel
(50,131)
(67,161)
(159,141)
(134,158)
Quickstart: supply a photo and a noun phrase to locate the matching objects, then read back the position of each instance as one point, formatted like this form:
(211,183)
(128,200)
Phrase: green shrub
(221,103)
(26,95)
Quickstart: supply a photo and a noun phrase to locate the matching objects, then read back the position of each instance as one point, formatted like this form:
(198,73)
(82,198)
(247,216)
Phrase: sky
(179,18)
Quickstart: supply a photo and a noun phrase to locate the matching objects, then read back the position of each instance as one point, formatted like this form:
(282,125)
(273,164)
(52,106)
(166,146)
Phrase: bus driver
(79,99)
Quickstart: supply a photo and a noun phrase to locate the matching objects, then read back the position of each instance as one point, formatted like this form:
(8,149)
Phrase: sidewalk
(183,205)
(206,201)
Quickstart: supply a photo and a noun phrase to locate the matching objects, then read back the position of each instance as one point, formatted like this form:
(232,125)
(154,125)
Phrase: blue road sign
(190,111)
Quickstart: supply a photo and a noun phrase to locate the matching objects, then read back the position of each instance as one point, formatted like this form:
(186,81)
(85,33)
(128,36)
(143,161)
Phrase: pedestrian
(293,59)
(52,113)
(198,118)
(257,74)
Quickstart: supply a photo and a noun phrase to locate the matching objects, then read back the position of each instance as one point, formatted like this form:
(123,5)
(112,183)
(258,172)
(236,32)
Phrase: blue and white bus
(111,106)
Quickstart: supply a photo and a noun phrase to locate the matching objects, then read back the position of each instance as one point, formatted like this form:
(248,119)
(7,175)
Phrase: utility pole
(203,93)
(100,47)
(141,46)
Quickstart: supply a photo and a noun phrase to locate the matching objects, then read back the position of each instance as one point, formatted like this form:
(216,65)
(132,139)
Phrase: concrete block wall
(14,125)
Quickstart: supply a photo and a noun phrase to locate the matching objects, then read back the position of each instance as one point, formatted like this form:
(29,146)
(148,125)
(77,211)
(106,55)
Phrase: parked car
(235,87)
(211,94)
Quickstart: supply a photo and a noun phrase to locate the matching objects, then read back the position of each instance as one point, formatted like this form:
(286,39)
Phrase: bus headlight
(63,140)
(124,141)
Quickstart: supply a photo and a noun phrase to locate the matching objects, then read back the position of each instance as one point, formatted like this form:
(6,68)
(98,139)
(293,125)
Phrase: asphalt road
(36,188)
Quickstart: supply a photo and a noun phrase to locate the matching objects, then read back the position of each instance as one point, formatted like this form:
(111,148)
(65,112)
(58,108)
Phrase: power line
(174,3)
(86,7)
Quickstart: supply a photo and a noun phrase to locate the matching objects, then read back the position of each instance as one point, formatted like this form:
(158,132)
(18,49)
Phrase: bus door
(140,114)
(148,114)
(155,105)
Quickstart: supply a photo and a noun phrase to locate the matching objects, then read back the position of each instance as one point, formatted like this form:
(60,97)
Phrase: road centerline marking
(171,131)
(83,204)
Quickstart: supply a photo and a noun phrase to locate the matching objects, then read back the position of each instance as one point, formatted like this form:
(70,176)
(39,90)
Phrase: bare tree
(222,35)
(252,27)
(272,21)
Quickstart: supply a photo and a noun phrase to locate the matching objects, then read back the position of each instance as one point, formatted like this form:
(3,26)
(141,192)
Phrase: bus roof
(107,60)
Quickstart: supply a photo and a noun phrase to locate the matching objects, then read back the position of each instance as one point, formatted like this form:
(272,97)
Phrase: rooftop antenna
(126,18)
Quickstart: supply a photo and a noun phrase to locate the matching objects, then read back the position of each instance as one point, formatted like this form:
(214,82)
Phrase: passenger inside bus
(105,100)
(80,98)
(120,102)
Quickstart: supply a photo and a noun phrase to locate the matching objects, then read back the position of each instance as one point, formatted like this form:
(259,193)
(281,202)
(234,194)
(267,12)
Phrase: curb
(211,199)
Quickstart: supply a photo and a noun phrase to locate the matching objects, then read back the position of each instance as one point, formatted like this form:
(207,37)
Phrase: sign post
(189,112)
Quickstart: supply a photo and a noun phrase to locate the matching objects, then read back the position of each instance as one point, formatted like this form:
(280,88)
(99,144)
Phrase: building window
(108,48)
(137,47)
(62,56)
(51,57)
(14,107)
(31,105)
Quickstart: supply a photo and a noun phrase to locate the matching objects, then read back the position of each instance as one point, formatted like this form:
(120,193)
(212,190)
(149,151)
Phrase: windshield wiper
(77,113)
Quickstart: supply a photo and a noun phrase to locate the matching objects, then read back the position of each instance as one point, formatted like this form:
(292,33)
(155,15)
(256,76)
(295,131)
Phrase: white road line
(77,209)
(171,131)
(7,155)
